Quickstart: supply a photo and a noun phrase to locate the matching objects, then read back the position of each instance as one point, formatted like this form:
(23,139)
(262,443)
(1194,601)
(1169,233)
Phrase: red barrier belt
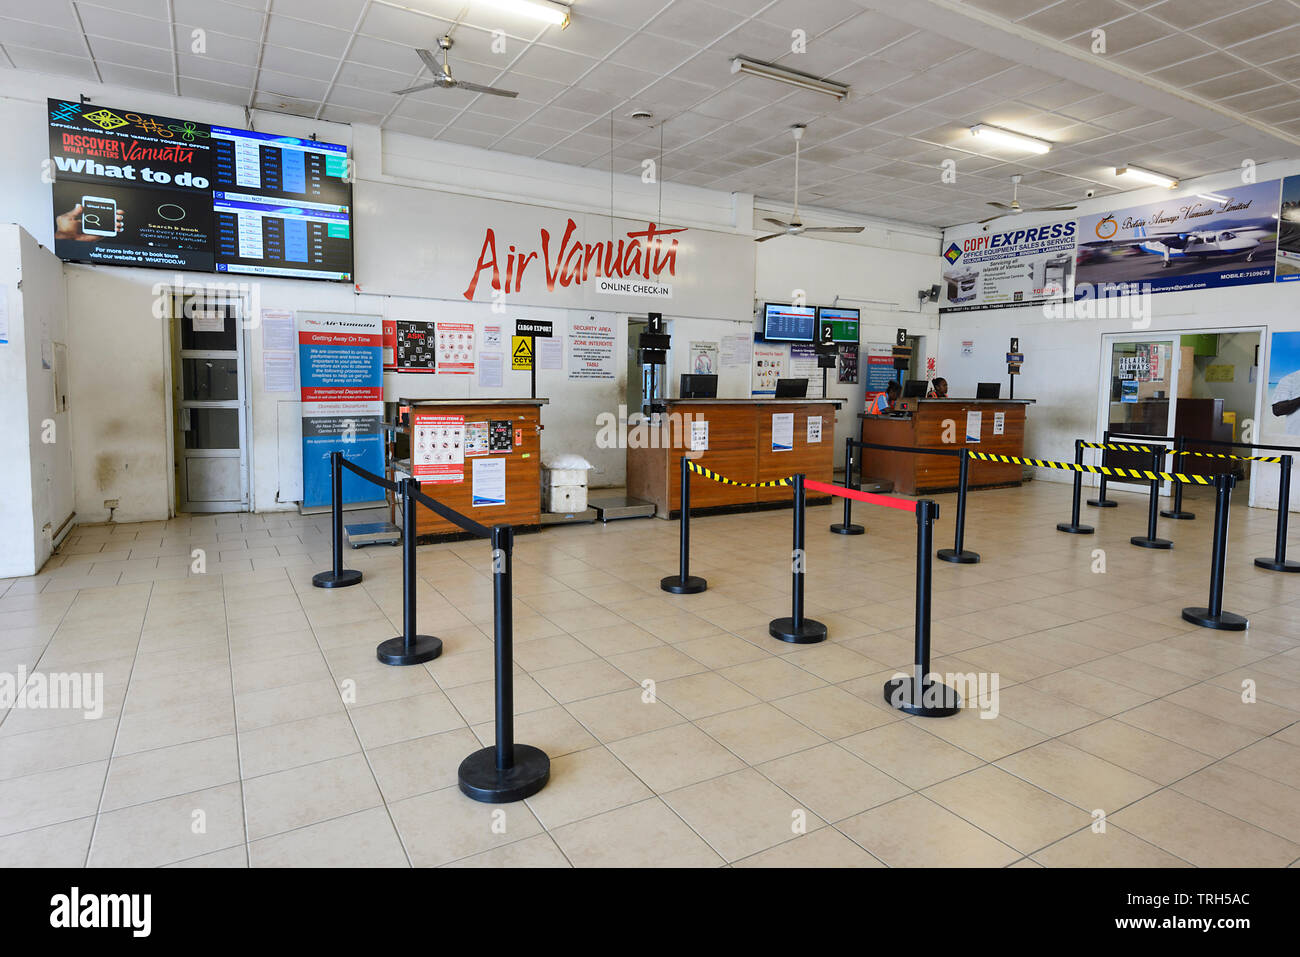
(902,504)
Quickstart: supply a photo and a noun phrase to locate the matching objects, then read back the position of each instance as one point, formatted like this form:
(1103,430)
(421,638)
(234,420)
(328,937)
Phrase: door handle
(185,420)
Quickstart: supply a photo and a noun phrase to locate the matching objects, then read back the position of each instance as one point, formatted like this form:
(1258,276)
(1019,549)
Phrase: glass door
(1140,395)
(208,395)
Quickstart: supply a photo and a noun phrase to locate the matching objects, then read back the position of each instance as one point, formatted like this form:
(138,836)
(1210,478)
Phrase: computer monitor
(915,389)
(699,386)
(988,390)
(791,388)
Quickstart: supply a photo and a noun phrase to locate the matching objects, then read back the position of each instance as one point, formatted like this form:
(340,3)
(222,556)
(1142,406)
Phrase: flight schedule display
(147,190)
(786,323)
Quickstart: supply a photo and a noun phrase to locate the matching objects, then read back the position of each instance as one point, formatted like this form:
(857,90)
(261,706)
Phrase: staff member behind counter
(885,401)
(938,388)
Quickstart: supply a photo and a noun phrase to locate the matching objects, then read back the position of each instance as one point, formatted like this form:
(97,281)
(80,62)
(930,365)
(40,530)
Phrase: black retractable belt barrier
(408,648)
(1073,526)
(1213,615)
(797,628)
(1177,510)
(1150,539)
(847,527)
(1279,562)
(1101,501)
(684,583)
(920,694)
(956,554)
(509,771)
(337,576)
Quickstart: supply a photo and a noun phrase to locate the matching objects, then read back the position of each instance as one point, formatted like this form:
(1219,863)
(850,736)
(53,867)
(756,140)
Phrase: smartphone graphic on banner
(98,216)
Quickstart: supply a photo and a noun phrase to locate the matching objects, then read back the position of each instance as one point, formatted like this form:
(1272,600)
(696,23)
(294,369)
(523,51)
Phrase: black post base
(1102,503)
(839,528)
(424,648)
(1224,621)
(806,634)
(1143,542)
(482,780)
(349,576)
(1286,565)
(690,585)
(936,700)
(963,557)
(1074,529)
(1170,513)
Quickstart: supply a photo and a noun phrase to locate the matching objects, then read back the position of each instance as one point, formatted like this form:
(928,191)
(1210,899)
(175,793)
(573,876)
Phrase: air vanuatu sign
(636,264)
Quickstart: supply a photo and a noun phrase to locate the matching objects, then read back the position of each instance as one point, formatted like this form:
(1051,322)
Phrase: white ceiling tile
(345,114)
(402,26)
(155,9)
(1163,53)
(342,14)
(137,55)
(137,79)
(1197,70)
(36,36)
(1066,19)
(1248,24)
(272,84)
(621,80)
(304,35)
(216,16)
(552,64)
(358,99)
(593,38)
(1185,14)
(103,22)
(1275,46)
(218,46)
(812,16)
(213,70)
(467,138)
(282,60)
(220,92)
(922,48)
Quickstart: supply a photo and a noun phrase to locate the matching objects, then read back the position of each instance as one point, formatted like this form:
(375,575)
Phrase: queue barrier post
(1073,526)
(1180,445)
(920,694)
(684,583)
(408,648)
(1151,539)
(797,629)
(337,576)
(509,771)
(957,554)
(847,527)
(1213,615)
(1279,562)
(1101,501)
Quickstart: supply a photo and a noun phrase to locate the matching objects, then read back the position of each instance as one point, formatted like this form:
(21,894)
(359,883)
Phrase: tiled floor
(247,721)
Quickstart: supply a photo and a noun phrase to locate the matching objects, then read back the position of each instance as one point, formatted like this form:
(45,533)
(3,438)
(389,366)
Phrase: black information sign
(414,346)
(501,435)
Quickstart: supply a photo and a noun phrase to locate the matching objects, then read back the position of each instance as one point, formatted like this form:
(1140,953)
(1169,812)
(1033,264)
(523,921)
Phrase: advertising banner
(848,367)
(1015,267)
(1182,242)
(1283,396)
(340,358)
(880,369)
(1288,232)
(769,366)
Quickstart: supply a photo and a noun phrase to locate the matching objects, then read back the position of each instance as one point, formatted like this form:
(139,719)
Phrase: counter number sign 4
(1015,358)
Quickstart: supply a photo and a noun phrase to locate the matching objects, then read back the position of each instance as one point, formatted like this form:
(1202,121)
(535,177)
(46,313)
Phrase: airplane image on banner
(1198,244)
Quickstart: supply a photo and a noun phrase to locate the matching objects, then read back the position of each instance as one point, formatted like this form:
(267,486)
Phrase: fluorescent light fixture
(544,10)
(1212,198)
(803,81)
(1147,176)
(996,136)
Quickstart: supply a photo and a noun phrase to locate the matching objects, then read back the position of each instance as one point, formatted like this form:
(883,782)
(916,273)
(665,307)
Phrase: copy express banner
(1182,242)
(340,361)
(1013,267)
(131,188)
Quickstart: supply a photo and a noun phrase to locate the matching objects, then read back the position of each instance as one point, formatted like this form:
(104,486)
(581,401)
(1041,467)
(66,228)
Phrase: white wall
(35,438)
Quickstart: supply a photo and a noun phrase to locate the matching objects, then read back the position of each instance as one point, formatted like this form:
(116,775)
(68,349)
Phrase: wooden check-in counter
(919,474)
(523,489)
(739,447)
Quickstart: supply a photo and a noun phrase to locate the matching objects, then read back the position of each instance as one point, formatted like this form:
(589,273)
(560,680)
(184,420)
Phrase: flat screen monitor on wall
(843,323)
(783,322)
(139,189)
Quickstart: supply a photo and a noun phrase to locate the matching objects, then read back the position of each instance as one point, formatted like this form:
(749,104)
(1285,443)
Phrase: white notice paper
(277,331)
(814,428)
(488,482)
(490,365)
(277,372)
(999,423)
(491,338)
(550,353)
(735,350)
(782,431)
(699,436)
(974,422)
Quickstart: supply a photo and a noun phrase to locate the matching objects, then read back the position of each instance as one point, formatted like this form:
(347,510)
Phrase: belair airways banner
(1183,242)
(1013,267)
(472,249)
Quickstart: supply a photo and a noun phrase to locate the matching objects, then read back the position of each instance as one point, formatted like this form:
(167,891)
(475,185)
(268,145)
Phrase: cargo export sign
(1016,267)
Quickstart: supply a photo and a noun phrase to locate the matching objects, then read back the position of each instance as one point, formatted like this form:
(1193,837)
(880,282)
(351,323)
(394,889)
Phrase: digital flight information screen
(281,205)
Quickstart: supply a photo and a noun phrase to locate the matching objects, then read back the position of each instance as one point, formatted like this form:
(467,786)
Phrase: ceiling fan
(795,227)
(1014,208)
(442,77)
